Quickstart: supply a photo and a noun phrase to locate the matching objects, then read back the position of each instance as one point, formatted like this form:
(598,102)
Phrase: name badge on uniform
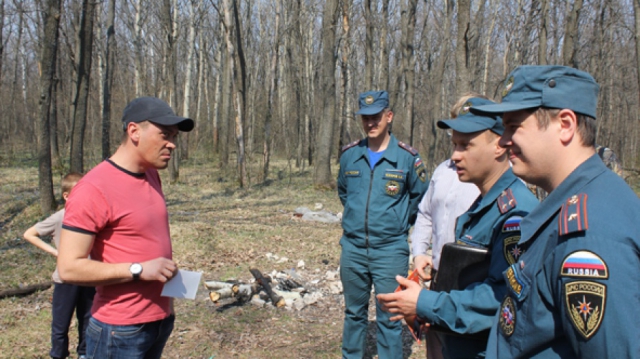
(352,173)
(394,175)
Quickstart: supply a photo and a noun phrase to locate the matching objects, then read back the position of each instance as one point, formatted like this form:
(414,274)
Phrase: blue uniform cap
(469,122)
(373,102)
(559,87)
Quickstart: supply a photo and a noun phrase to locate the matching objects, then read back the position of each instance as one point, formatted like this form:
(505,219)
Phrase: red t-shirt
(128,215)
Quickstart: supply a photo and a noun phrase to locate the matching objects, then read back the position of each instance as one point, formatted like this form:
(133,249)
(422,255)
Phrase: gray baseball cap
(154,110)
(553,86)
(469,122)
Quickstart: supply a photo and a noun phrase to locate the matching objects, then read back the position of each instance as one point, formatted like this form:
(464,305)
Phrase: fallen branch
(19,292)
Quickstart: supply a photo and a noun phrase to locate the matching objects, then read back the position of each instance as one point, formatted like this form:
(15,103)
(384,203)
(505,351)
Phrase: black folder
(460,266)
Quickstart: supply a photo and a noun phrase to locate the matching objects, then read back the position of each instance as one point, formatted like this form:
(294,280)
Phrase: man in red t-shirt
(117,214)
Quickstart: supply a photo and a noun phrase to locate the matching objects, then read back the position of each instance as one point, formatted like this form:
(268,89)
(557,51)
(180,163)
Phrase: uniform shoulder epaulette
(408,148)
(573,215)
(352,144)
(506,201)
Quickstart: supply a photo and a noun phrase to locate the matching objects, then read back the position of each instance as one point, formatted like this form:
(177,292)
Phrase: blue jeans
(143,341)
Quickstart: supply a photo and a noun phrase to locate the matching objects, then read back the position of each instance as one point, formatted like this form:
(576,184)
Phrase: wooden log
(277,300)
(246,290)
(219,294)
(215,285)
(18,292)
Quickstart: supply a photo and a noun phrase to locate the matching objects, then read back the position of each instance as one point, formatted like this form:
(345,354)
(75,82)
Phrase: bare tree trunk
(409,64)
(107,81)
(345,128)
(237,66)
(82,93)
(383,74)
(542,34)
(217,101)
(170,18)
(487,48)
(188,77)
(138,48)
(463,73)
(1,38)
(322,176)
(273,85)
(368,44)
(569,48)
(48,65)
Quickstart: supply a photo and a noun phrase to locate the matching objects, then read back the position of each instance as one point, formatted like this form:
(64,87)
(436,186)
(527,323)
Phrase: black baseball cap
(154,110)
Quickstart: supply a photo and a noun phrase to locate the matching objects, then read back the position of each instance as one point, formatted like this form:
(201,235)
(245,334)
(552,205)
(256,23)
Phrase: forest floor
(219,230)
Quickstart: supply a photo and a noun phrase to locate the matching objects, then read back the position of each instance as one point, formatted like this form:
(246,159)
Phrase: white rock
(282,260)
(301,264)
(335,287)
(318,206)
(331,275)
(298,304)
(312,298)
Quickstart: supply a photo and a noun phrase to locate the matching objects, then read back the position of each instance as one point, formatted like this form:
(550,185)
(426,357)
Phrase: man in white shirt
(446,199)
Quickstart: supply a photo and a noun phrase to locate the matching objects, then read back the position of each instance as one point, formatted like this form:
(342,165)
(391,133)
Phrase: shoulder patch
(420,170)
(585,302)
(352,144)
(512,224)
(407,148)
(584,264)
(511,250)
(573,215)
(506,201)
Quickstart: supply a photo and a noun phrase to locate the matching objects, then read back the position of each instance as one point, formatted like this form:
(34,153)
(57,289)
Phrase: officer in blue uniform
(380,184)
(574,293)
(492,222)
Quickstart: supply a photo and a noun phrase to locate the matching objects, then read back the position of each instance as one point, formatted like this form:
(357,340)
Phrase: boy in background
(66,297)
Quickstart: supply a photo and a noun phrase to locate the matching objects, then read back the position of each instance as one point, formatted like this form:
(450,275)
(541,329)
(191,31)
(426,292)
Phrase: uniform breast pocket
(393,183)
(354,181)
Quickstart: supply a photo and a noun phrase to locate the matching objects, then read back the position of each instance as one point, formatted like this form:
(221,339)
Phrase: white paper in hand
(183,285)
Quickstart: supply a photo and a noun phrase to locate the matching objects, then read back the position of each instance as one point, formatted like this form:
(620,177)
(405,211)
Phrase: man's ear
(568,122)
(133,129)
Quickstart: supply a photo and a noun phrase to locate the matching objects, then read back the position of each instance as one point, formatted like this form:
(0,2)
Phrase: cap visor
(463,126)
(370,110)
(506,107)
(184,124)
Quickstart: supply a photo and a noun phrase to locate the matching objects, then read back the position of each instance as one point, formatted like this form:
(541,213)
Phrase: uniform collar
(390,154)
(571,185)
(505,181)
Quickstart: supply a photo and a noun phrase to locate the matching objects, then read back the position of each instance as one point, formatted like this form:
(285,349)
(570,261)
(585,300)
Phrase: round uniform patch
(585,302)
(507,321)
(368,100)
(465,109)
(507,86)
(392,188)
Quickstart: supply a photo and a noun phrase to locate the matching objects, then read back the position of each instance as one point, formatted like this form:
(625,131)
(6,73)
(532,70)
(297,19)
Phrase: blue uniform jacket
(492,222)
(380,205)
(575,293)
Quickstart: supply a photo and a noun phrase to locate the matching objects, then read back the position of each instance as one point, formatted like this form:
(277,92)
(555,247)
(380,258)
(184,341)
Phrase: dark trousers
(66,298)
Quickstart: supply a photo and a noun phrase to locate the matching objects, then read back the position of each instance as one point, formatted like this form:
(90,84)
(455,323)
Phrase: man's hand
(421,262)
(162,269)
(402,303)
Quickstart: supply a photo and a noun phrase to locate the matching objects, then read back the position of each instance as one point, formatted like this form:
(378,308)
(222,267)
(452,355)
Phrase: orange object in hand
(416,327)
